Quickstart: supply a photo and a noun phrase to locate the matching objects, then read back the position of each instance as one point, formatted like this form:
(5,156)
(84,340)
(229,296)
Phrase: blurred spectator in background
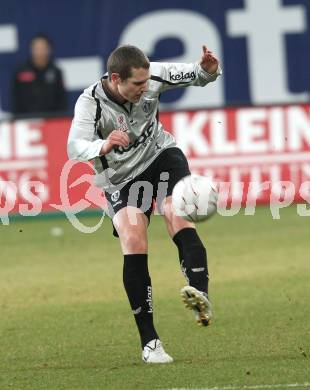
(38,84)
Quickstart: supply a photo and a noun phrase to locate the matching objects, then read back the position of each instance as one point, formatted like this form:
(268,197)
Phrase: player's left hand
(209,61)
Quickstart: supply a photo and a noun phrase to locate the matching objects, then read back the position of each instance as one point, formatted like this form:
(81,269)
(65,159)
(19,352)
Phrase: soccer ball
(194,198)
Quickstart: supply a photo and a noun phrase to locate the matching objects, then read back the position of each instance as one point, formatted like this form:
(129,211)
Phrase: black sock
(138,287)
(193,258)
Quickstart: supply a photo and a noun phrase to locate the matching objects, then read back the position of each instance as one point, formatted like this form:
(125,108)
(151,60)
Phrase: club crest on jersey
(146,107)
(121,123)
(115,196)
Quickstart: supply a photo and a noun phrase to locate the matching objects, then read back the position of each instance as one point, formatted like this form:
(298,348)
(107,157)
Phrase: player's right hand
(116,138)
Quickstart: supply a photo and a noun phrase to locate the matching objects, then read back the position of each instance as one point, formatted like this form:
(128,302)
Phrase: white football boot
(198,302)
(154,352)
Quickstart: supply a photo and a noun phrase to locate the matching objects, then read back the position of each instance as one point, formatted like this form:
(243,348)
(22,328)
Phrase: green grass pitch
(65,322)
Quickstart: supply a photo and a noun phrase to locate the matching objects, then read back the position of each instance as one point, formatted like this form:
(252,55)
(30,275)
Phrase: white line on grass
(254,387)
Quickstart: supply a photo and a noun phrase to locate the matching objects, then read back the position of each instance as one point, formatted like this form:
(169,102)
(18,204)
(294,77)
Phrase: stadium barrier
(253,148)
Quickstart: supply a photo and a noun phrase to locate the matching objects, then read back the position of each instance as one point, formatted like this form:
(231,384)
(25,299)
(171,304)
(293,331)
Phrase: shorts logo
(115,196)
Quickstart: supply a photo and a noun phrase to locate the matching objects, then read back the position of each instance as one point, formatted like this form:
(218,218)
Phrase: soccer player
(136,161)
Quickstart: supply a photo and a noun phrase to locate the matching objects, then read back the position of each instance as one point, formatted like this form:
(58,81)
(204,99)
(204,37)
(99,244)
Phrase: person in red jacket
(38,84)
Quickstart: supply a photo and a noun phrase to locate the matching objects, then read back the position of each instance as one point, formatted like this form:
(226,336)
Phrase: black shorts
(152,185)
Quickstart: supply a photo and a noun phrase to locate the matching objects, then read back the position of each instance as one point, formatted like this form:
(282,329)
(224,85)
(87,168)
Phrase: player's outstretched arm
(209,61)
(116,138)
(168,75)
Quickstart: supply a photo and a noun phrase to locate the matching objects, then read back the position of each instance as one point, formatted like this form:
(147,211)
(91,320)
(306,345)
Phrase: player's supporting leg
(137,281)
(136,276)
(193,261)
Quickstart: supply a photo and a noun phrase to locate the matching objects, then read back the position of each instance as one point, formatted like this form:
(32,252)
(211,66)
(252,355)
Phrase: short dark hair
(124,58)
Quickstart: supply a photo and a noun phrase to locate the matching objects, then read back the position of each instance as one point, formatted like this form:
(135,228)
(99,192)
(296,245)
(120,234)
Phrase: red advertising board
(33,174)
(261,145)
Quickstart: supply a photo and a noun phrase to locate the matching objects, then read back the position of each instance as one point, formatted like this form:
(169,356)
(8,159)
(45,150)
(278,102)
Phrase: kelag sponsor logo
(182,76)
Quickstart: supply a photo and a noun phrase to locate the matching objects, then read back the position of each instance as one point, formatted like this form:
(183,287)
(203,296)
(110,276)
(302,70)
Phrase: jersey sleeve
(166,75)
(83,142)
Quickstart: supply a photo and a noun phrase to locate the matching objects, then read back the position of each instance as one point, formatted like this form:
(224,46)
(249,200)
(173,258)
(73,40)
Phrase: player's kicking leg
(193,261)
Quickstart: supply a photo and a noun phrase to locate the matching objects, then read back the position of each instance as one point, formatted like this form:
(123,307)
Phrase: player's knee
(174,222)
(133,242)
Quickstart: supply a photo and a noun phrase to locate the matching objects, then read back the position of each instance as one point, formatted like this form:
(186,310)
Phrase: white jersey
(97,114)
